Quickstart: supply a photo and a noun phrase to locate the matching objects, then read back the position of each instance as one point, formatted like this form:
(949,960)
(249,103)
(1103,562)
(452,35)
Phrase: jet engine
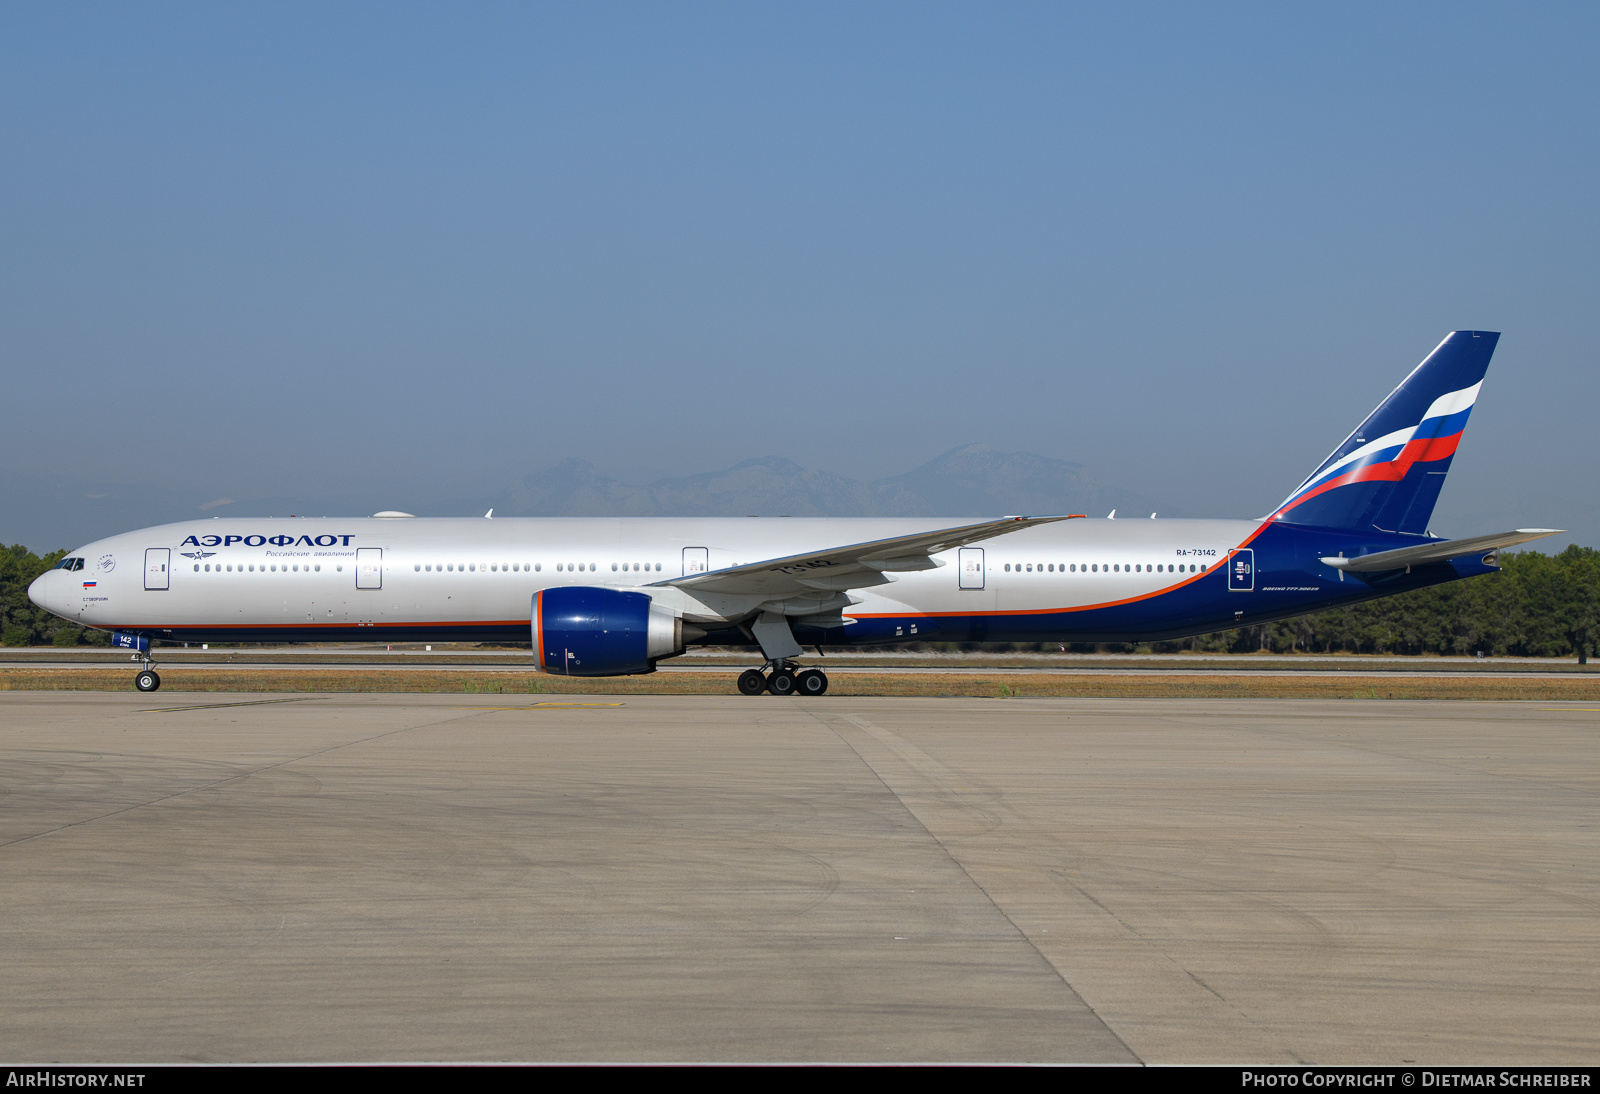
(587,631)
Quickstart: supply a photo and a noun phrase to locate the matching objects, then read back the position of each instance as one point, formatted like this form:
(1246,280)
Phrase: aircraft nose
(45,591)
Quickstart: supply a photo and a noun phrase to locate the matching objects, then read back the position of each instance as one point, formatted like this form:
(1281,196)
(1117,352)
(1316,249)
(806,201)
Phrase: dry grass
(985,685)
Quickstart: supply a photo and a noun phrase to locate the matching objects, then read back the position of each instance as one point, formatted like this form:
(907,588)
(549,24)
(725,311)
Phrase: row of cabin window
(1095,568)
(266,568)
(428,568)
(520,567)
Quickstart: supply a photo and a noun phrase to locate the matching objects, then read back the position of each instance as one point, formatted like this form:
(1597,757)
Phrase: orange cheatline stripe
(1060,610)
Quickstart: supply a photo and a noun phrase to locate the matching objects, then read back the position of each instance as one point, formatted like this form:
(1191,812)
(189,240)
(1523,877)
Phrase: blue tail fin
(1387,474)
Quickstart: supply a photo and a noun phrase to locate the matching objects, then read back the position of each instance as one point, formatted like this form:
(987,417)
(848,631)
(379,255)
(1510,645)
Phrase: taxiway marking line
(548,706)
(249,703)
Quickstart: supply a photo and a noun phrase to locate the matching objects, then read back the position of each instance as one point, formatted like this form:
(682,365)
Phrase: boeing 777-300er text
(614,596)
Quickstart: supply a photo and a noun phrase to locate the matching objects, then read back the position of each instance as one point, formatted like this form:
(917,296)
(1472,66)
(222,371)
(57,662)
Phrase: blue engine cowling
(587,631)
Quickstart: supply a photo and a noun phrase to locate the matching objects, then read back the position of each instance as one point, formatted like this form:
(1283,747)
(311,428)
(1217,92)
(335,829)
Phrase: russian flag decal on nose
(90,584)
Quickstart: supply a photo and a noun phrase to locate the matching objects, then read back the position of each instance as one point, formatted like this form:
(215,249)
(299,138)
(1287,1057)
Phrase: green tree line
(22,624)
(1538,605)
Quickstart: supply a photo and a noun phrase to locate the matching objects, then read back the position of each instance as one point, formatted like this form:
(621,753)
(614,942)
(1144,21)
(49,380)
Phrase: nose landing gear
(784,679)
(146,679)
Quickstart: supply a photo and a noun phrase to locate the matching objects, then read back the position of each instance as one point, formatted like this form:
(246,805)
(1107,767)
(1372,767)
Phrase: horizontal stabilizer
(1439,550)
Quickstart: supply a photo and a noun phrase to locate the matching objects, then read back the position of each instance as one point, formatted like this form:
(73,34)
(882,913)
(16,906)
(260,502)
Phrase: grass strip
(984,685)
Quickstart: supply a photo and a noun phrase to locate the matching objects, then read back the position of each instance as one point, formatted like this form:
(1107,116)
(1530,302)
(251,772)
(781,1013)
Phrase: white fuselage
(466,577)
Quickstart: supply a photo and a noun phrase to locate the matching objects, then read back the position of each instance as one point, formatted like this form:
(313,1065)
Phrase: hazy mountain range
(973,480)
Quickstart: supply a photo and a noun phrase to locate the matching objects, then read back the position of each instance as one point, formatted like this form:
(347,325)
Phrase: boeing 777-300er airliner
(613,596)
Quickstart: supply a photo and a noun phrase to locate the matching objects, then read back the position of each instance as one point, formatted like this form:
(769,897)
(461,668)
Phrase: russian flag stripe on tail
(1388,473)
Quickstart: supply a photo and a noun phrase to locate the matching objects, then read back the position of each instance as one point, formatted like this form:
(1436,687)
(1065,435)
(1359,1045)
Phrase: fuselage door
(369,567)
(696,560)
(157,564)
(1242,571)
(971,567)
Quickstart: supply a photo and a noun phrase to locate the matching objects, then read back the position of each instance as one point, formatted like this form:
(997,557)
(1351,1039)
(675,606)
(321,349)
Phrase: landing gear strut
(785,678)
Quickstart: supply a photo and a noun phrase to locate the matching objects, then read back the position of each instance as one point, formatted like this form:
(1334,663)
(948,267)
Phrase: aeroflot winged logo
(279,540)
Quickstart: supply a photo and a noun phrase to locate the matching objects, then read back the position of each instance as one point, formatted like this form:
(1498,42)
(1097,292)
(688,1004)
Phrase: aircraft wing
(1441,550)
(854,566)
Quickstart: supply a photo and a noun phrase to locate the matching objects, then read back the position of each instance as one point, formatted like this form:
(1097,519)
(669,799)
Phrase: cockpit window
(69,564)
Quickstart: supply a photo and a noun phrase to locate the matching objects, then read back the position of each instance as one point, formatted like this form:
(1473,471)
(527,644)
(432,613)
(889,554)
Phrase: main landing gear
(785,678)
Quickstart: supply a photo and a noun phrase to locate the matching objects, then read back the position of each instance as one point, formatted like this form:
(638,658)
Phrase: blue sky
(290,249)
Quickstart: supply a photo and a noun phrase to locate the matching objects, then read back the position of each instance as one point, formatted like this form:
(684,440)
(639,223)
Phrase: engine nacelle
(587,631)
